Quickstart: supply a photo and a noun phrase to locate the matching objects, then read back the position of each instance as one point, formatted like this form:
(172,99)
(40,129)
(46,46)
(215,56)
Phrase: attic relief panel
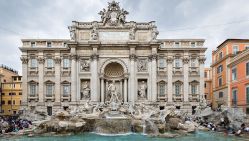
(84,35)
(113,36)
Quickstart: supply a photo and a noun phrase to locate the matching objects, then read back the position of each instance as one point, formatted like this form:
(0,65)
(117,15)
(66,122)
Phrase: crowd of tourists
(13,124)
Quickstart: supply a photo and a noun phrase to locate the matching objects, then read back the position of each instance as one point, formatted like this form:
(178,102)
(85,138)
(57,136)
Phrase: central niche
(114,70)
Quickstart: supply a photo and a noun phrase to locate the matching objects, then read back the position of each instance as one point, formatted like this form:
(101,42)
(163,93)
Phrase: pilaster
(185,79)
(169,73)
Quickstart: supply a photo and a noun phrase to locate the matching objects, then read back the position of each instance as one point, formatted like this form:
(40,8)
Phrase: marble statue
(94,34)
(113,91)
(72,33)
(85,90)
(132,32)
(154,33)
(85,66)
(142,90)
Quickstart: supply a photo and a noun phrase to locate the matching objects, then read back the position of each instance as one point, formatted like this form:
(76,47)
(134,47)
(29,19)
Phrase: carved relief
(41,60)
(57,60)
(202,60)
(142,65)
(85,89)
(85,65)
(24,60)
(142,89)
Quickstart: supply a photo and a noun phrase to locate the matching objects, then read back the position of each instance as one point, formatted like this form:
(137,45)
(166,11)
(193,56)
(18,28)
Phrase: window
(3,102)
(49,110)
(205,85)
(220,55)
(14,102)
(192,44)
(247,94)
(219,69)
(33,63)
(50,63)
(161,63)
(3,93)
(235,49)
(234,74)
(234,100)
(49,44)
(193,89)
(32,44)
(9,102)
(20,93)
(177,89)
(205,74)
(32,89)
(220,94)
(177,63)
(49,90)
(247,47)
(20,102)
(220,81)
(65,63)
(162,89)
(247,69)
(66,90)
(177,44)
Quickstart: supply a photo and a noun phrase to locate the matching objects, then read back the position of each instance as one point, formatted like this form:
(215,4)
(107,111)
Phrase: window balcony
(194,97)
(177,70)
(66,97)
(193,70)
(33,97)
(65,71)
(49,70)
(178,98)
(33,71)
(49,97)
(162,97)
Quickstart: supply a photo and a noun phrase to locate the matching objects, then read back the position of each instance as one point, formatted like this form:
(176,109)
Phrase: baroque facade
(112,58)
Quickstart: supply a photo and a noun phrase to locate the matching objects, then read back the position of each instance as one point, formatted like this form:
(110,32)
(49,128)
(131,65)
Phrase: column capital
(74,57)
(185,60)
(41,60)
(170,59)
(153,57)
(24,60)
(57,60)
(94,56)
(133,57)
(126,75)
(202,60)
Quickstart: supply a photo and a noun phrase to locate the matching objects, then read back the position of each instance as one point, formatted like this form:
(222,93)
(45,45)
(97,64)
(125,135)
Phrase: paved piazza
(112,60)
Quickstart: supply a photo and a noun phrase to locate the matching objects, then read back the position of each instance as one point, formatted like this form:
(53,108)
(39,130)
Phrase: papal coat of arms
(113,16)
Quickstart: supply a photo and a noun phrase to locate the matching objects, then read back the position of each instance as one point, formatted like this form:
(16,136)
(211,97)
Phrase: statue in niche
(132,32)
(94,34)
(85,90)
(72,33)
(142,90)
(154,33)
(142,65)
(112,90)
(84,66)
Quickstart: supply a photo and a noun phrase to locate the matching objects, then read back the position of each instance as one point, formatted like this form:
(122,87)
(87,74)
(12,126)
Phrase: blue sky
(213,20)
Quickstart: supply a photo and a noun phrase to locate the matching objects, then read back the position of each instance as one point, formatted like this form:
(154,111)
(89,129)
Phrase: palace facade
(112,56)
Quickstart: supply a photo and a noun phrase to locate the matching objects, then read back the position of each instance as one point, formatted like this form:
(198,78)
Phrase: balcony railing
(49,97)
(66,97)
(177,70)
(194,97)
(33,97)
(193,69)
(177,97)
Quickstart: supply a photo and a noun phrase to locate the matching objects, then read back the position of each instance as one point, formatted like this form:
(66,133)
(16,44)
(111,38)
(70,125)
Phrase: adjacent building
(112,56)
(11,91)
(239,82)
(208,86)
(221,58)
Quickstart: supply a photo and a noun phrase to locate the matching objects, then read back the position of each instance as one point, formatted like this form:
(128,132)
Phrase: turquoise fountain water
(199,136)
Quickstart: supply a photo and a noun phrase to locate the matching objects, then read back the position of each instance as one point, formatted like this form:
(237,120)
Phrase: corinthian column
(169,71)
(24,80)
(41,93)
(201,62)
(57,79)
(132,79)
(94,78)
(153,77)
(74,78)
(185,79)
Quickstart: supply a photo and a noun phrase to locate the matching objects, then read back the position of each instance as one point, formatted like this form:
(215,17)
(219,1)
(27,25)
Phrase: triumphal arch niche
(114,57)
